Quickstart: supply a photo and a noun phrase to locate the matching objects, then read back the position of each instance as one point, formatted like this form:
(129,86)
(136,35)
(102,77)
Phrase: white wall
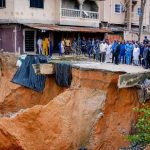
(23,12)
(20,11)
(7,14)
(108,14)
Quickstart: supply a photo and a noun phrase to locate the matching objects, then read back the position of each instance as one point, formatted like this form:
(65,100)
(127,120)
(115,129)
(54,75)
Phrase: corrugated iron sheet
(66,28)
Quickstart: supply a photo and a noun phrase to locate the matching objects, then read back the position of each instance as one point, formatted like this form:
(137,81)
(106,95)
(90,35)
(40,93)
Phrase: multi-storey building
(122,17)
(23,21)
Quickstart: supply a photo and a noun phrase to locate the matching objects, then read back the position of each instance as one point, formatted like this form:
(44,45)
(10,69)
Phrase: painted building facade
(16,15)
(118,15)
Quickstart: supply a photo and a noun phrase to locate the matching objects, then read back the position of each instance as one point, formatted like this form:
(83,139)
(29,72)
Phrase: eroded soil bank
(92,113)
(13,97)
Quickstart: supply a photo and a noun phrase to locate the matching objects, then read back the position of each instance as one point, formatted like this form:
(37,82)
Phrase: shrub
(142,135)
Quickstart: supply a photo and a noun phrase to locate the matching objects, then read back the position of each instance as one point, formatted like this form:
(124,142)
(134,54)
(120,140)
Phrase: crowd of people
(124,52)
(117,52)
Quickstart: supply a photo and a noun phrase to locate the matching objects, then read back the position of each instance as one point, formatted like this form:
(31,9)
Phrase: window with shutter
(29,41)
(37,3)
(2,4)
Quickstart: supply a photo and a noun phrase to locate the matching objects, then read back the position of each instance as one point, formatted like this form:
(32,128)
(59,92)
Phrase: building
(23,21)
(122,17)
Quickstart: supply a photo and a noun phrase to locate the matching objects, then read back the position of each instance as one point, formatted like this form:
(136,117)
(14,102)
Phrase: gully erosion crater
(92,113)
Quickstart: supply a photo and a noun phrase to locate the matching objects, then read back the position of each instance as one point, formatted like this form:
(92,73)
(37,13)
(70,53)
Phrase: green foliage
(142,136)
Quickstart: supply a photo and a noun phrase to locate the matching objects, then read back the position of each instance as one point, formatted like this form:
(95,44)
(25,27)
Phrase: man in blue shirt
(89,47)
(128,52)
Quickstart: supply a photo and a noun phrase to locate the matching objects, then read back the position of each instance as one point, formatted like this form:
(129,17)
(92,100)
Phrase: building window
(29,42)
(139,11)
(117,8)
(37,3)
(2,4)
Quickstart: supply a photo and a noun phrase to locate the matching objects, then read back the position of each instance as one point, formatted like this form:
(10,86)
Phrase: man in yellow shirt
(68,43)
(45,44)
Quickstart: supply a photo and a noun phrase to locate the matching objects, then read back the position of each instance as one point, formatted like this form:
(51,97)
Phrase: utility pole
(128,7)
(141,17)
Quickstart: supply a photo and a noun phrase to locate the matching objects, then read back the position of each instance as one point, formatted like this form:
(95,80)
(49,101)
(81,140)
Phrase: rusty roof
(66,28)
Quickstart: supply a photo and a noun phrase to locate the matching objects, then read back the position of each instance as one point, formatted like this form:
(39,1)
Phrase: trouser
(136,62)
(128,60)
(122,59)
(107,57)
(140,59)
(113,57)
(89,51)
(40,50)
(116,59)
(60,52)
(83,49)
(50,51)
(102,56)
(145,63)
(97,56)
(45,51)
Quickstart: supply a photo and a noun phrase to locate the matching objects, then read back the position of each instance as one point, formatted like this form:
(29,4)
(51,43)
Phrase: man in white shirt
(136,53)
(108,53)
(103,49)
(39,44)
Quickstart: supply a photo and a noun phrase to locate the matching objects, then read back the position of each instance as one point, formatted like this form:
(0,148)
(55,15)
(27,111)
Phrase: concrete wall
(7,14)
(133,36)
(108,14)
(135,17)
(11,38)
(7,40)
(23,13)
(20,11)
(19,38)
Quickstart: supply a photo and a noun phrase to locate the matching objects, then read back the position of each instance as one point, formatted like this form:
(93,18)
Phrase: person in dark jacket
(141,53)
(122,53)
(145,41)
(83,45)
(116,53)
(89,47)
(113,49)
(145,56)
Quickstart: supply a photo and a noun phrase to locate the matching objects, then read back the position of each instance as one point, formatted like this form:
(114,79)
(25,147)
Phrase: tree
(141,17)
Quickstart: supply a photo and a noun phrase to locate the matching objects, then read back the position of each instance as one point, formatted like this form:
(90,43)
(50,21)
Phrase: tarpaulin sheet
(26,76)
(63,74)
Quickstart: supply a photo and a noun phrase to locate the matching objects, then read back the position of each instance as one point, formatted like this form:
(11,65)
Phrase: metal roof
(66,28)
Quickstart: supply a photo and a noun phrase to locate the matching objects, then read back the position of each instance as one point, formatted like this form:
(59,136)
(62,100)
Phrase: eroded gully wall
(13,97)
(93,113)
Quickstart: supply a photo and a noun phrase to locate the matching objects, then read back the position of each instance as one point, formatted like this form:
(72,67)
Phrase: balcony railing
(89,14)
(79,14)
(70,12)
